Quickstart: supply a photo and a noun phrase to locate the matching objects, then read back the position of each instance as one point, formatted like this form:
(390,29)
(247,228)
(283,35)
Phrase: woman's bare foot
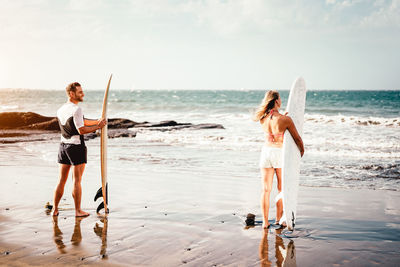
(265,226)
(81,213)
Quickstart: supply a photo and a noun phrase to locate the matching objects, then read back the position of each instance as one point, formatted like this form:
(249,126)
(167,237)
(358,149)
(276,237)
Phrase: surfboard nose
(299,82)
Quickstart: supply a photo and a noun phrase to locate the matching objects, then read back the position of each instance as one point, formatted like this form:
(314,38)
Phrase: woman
(274,125)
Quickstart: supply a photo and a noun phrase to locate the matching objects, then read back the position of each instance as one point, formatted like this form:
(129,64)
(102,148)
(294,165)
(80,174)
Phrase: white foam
(352,120)
(8,107)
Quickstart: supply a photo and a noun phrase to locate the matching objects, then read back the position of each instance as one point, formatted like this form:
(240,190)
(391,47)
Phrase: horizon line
(204,89)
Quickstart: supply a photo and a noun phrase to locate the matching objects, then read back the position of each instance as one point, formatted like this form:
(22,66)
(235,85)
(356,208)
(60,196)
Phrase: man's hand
(101,123)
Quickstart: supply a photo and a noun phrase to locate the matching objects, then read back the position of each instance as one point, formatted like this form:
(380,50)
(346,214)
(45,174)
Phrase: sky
(200,44)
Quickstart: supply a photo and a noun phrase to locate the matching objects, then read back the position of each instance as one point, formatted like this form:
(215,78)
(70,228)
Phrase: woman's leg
(267,175)
(279,203)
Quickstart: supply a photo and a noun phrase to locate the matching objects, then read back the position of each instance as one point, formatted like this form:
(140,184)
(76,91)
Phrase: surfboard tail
(100,194)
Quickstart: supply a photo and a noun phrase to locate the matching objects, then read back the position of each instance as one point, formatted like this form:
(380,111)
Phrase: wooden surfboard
(291,154)
(103,191)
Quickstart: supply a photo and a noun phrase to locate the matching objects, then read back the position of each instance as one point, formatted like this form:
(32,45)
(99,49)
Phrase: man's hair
(72,87)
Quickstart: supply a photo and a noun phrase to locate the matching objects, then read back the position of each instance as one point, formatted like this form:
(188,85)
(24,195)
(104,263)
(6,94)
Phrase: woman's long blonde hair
(266,105)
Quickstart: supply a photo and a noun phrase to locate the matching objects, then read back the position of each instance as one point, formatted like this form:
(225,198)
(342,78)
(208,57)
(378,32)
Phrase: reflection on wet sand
(58,236)
(76,237)
(284,256)
(102,233)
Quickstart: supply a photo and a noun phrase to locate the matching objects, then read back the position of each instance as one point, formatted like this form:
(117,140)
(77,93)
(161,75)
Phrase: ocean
(352,138)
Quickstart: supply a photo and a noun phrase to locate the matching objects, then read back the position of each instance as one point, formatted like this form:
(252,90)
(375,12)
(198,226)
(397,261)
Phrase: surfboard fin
(293,219)
(100,207)
(100,194)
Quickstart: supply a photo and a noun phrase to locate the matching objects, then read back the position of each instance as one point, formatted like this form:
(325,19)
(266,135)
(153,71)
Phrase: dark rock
(51,125)
(120,123)
(91,135)
(207,126)
(117,133)
(160,124)
(5,134)
(250,220)
(172,125)
(48,206)
(13,120)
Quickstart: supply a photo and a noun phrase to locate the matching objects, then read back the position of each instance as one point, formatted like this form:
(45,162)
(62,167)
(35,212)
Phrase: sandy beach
(191,218)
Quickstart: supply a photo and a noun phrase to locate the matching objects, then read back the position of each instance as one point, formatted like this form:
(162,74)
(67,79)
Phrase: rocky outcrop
(24,124)
(34,121)
(112,133)
(27,120)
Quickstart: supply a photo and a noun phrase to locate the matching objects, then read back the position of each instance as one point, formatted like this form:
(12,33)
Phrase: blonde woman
(274,125)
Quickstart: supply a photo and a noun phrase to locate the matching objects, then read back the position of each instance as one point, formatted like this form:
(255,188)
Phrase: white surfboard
(291,153)
(103,191)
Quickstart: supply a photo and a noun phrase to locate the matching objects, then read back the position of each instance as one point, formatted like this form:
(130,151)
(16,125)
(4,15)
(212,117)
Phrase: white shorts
(271,157)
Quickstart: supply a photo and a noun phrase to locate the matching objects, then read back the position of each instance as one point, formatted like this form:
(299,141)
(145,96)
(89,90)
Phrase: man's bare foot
(81,213)
(55,212)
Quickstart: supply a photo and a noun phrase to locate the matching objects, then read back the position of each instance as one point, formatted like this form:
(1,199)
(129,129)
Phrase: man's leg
(77,191)
(58,193)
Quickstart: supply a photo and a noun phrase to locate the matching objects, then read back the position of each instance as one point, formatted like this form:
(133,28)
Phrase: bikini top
(271,136)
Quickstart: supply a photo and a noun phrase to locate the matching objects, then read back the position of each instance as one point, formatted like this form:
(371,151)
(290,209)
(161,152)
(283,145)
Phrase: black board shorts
(71,154)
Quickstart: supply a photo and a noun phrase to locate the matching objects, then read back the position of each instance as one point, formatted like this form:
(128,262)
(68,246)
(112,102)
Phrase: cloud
(224,17)
(385,16)
(234,17)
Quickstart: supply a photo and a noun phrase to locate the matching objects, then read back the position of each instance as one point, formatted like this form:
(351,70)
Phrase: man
(72,151)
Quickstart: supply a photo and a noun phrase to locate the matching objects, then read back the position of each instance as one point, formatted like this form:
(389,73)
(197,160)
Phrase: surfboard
(103,190)
(291,154)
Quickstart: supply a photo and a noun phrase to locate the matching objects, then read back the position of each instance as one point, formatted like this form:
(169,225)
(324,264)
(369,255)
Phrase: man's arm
(92,128)
(90,122)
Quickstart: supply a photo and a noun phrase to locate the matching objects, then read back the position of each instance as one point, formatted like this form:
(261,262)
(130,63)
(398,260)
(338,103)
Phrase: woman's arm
(297,138)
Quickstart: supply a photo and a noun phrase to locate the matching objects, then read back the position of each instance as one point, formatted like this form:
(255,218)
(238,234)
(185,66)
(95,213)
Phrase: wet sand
(186,218)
